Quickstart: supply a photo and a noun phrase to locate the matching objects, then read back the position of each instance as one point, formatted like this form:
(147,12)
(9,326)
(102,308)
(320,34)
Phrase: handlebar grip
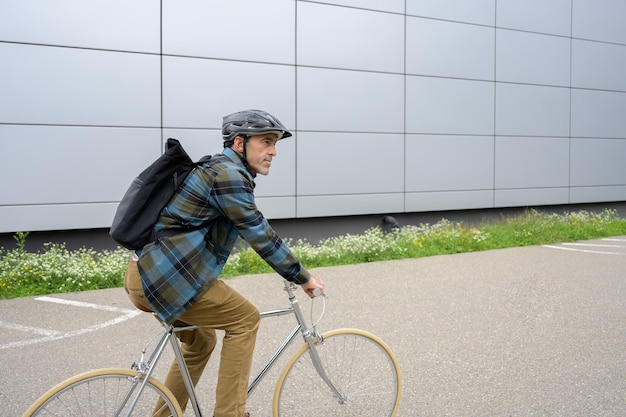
(317,292)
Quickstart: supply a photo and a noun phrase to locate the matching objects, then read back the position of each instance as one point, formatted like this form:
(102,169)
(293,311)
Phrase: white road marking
(581,250)
(50,335)
(29,329)
(83,304)
(592,245)
(567,246)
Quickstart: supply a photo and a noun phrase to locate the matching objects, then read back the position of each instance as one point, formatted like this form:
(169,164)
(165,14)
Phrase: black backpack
(133,224)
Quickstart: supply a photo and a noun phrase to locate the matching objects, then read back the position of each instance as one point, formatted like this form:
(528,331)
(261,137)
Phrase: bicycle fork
(313,339)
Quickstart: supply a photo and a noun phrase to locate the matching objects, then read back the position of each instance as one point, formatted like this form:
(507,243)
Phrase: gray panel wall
(398,106)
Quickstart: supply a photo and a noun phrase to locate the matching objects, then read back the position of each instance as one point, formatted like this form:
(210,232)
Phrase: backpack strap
(174,231)
(204,159)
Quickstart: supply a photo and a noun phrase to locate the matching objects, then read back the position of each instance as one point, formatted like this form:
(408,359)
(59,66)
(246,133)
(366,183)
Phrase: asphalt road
(534,331)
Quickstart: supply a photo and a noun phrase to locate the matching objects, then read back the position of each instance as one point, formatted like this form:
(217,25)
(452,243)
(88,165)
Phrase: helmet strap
(245,155)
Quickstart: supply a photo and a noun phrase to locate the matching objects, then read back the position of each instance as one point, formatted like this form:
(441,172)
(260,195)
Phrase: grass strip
(54,269)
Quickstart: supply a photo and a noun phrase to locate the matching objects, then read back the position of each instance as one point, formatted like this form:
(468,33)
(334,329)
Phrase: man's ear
(238,144)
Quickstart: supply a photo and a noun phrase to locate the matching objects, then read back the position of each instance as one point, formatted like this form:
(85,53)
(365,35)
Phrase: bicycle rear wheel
(359,364)
(103,392)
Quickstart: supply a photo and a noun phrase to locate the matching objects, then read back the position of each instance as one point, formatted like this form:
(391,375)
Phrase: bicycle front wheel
(104,392)
(360,365)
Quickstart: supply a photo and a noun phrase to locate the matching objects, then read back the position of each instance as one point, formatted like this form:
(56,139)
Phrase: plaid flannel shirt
(212,208)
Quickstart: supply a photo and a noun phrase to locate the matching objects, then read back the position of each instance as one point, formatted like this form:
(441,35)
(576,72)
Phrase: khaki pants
(220,308)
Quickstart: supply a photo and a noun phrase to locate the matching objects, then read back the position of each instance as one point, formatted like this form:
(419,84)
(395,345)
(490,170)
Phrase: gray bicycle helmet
(251,122)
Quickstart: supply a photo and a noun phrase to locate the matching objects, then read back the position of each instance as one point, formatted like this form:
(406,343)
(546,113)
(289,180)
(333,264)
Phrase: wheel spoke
(358,364)
(102,393)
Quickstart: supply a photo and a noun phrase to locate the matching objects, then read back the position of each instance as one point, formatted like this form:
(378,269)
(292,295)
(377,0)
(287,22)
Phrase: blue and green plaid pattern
(214,206)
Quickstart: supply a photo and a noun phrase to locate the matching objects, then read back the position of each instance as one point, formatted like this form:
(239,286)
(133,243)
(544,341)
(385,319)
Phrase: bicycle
(346,372)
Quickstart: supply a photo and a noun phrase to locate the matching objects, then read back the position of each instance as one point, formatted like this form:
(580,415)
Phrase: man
(176,276)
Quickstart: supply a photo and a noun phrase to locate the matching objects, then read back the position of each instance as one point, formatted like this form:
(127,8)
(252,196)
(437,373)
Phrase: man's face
(260,149)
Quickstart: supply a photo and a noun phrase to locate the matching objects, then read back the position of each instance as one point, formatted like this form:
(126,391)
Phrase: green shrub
(56,269)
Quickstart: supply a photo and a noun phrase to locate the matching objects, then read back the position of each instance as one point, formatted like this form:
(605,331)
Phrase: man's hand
(312,285)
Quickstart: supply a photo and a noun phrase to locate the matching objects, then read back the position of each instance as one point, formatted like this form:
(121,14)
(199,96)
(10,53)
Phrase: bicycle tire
(361,366)
(99,393)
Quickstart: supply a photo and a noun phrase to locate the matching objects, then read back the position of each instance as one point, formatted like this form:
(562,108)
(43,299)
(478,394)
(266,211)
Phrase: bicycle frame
(311,338)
